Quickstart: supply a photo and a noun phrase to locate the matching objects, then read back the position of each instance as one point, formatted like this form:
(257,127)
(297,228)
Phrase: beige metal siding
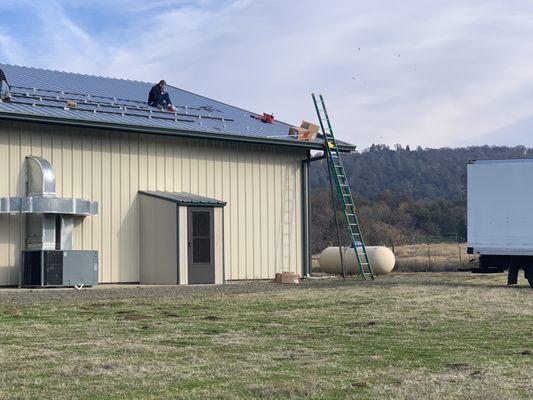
(158,241)
(261,184)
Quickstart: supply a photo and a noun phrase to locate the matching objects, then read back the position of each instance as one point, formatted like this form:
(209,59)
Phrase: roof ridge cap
(75,73)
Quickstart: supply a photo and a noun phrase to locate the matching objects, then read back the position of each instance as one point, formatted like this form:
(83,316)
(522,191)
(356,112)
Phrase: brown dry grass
(435,257)
(404,336)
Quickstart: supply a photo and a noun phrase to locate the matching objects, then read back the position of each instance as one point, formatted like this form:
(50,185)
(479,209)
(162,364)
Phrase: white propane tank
(381,258)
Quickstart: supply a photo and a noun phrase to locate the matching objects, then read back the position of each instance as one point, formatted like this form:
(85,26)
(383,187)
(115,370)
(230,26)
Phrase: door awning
(185,199)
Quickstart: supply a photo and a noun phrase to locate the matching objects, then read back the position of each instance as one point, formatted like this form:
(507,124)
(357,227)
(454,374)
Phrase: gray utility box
(56,268)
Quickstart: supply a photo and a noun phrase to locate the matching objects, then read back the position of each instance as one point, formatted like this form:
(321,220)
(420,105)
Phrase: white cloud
(10,49)
(413,72)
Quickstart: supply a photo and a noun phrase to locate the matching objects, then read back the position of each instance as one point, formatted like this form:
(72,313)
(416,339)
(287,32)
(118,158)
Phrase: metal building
(203,195)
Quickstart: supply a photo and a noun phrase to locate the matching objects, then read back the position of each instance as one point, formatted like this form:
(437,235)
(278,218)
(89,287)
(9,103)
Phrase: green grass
(406,336)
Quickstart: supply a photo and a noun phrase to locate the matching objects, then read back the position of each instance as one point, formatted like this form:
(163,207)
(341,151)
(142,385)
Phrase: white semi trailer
(500,216)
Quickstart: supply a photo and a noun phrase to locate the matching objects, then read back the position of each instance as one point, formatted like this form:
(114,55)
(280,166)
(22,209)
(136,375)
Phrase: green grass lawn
(406,336)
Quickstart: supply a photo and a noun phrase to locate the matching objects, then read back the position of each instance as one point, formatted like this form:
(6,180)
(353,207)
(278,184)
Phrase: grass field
(404,336)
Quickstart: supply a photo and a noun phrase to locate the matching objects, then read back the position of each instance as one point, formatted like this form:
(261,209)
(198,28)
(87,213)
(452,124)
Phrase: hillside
(404,195)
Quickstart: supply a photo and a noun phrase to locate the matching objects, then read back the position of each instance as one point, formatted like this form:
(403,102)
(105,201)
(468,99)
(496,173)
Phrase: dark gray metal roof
(186,199)
(41,95)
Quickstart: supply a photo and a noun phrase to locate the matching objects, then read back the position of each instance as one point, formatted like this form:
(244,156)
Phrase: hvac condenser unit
(49,259)
(59,268)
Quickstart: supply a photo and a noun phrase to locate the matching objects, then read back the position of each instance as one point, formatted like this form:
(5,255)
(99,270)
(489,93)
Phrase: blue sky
(418,72)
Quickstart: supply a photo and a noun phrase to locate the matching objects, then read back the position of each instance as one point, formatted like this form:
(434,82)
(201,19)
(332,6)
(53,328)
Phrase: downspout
(306,207)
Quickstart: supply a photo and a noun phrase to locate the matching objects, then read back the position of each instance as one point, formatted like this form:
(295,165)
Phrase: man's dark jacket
(155,94)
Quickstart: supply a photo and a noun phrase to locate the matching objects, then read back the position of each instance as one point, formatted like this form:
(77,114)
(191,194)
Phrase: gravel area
(129,291)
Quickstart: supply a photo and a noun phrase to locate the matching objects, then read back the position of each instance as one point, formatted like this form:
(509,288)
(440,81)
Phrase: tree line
(403,196)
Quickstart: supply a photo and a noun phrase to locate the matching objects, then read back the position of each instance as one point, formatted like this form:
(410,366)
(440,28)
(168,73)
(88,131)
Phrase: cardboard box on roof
(306,132)
(312,128)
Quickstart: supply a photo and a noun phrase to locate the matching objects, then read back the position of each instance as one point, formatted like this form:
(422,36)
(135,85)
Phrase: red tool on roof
(266,118)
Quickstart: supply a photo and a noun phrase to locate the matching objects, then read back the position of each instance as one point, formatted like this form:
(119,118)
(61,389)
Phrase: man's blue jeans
(164,100)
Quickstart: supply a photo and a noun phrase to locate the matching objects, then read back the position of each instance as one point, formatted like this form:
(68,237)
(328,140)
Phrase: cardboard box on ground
(288,278)
(306,132)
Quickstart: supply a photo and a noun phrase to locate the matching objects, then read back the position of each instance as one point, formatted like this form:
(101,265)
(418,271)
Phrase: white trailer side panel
(500,206)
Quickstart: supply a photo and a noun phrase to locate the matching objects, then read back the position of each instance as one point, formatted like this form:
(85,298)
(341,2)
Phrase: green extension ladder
(343,189)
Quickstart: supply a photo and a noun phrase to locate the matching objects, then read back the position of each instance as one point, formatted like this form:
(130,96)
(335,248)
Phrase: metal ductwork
(40,178)
(49,227)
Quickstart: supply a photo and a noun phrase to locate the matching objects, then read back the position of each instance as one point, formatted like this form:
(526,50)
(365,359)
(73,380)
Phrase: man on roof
(159,98)
(4,87)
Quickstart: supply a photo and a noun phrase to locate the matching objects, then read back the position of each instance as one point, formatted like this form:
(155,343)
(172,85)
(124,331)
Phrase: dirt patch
(459,366)
(360,385)
(212,318)
(128,315)
(361,324)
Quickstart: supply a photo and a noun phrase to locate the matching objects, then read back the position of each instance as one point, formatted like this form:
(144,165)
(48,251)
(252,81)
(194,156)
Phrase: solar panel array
(42,92)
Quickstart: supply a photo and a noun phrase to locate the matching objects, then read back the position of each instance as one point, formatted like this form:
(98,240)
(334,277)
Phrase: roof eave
(166,131)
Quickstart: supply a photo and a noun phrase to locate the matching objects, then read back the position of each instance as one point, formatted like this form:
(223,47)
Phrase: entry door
(200,244)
